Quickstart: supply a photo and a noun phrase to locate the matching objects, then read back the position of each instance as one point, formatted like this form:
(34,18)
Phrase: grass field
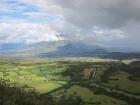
(90,97)
(35,74)
(124,83)
(61,76)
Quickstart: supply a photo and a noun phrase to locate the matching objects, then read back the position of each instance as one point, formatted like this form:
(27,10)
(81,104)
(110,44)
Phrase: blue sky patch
(18,10)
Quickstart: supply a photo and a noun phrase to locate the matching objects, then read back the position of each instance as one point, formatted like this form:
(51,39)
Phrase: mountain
(62,49)
(122,55)
(122,49)
(8,48)
(41,47)
(76,49)
(52,48)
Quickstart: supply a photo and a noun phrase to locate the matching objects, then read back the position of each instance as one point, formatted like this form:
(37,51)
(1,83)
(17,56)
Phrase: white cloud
(3,7)
(109,35)
(47,6)
(27,32)
(79,17)
(88,13)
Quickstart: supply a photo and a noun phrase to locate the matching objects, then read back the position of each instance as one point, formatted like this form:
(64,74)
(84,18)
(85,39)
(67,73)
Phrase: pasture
(72,77)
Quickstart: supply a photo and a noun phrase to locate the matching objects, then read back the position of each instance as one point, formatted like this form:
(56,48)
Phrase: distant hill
(123,55)
(77,49)
(53,48)
(63,49)
(41,47)
(8,48)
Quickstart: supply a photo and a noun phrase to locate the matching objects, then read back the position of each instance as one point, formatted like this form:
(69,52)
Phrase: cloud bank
(112,23)
(27,33)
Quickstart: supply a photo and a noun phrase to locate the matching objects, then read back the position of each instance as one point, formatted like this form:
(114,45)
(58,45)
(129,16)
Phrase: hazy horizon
(113,24)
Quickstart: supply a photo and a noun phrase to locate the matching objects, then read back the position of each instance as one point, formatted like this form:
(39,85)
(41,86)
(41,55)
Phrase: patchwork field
(96,81)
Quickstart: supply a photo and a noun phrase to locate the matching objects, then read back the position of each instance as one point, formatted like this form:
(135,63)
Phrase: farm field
(34,75)
(95,81)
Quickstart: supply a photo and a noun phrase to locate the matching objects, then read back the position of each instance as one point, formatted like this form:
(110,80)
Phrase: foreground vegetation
(70,81)
(13,95)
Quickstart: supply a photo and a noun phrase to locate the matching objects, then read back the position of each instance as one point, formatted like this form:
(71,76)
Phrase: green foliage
(12,95)
(49,76)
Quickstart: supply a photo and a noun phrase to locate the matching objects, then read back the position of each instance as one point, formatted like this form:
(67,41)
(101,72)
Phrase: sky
(109,23)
